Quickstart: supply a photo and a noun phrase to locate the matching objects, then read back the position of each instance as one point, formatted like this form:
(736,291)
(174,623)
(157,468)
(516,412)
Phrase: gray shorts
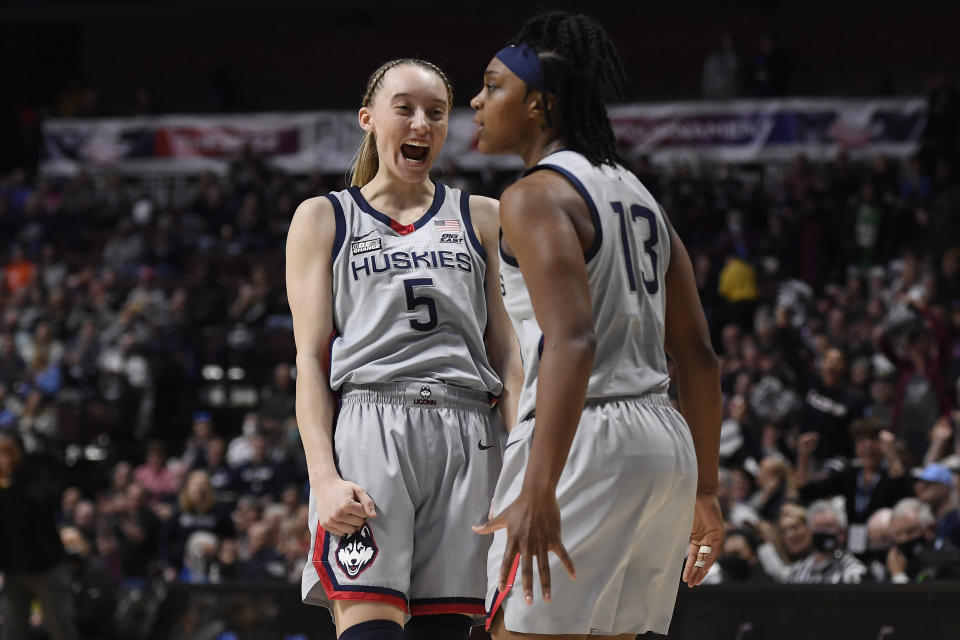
(626,499)
(429,455)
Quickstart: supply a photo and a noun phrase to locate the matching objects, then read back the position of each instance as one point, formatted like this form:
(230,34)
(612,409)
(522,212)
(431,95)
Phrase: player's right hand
(342,506)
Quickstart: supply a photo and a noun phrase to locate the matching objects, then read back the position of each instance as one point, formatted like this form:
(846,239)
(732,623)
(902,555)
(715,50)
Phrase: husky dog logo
(356,552)
(424,398)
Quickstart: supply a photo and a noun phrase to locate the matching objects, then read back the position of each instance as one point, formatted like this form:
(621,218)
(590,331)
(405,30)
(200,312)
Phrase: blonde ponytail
(366,162)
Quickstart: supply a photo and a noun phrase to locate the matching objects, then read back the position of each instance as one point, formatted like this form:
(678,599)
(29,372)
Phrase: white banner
(325,141)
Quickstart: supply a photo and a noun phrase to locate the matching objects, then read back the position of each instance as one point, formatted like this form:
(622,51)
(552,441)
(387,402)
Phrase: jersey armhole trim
(504,257)
(594,248)
(468,223)
(669,226)
(341,222)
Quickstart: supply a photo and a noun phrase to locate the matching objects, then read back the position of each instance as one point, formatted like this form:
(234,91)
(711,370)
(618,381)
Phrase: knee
(446,626)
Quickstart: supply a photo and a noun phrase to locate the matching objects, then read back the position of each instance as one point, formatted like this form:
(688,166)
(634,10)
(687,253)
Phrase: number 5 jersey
(408,300)
(626,265)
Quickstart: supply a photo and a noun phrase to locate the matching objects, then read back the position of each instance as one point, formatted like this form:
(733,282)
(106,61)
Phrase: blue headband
(524,62)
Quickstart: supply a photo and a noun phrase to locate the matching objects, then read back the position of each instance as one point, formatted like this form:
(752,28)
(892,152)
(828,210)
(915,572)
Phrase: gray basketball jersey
(408,300)
(625,265)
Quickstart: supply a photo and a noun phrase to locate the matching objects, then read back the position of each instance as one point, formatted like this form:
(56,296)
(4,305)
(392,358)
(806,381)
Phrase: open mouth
(415,151)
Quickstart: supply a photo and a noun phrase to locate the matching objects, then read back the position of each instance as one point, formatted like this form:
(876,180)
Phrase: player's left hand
(533,530)
(707,531)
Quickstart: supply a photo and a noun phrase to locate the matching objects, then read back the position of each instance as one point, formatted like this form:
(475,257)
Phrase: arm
(687,342)
(503,348)
(537,217)
(341,506)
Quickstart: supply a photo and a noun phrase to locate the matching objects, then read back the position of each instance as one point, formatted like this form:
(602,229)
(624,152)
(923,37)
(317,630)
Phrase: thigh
(373,564)
(461,467)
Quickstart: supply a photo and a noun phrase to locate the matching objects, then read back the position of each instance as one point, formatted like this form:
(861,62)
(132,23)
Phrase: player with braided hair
(600,289)
(402,341)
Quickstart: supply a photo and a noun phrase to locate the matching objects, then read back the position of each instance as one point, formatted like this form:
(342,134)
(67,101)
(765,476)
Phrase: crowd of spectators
(146,363)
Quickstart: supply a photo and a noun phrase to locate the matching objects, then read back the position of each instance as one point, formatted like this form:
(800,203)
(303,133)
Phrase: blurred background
(152,154)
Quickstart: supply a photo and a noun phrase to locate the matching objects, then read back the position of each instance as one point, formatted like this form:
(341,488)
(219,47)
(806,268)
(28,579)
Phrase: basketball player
(600,289)
(393,284)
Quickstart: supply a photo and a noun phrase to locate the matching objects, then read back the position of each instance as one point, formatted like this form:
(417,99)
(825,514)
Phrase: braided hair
(581,67)
(366,161)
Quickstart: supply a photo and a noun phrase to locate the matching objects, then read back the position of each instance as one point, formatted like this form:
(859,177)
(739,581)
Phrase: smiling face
(408,115)
(502,110)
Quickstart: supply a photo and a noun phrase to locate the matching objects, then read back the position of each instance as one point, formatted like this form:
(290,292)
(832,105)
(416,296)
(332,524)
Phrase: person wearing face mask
(916,555)
(739,562)
(827,562)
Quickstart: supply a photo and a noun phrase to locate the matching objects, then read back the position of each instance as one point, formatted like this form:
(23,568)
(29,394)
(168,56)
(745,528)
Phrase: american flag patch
(447,225)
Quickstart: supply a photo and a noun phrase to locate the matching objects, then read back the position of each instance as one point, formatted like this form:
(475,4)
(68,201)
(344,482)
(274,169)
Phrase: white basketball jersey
(408,300)
(625,265)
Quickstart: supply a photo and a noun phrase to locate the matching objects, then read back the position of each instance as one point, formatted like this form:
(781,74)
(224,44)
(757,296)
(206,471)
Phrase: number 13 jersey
(626,265)
(408,300)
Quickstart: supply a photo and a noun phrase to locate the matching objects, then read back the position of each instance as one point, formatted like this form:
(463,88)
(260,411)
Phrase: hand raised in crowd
(807,443)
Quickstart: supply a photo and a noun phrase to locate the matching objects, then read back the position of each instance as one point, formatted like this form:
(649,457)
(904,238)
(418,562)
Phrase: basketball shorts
(626,499)
(429,456)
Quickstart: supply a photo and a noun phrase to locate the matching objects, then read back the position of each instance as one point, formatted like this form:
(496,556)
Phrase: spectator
(739,562)
(261,561)
(827,563)
(155,475)
(137,530)
(722,71)
(934,487)
(735,512)
(93,588)
(260,476)
(773,488)
(879,541)
(874,480)
(915,557)
(197,511)
(32,557)
(829,406)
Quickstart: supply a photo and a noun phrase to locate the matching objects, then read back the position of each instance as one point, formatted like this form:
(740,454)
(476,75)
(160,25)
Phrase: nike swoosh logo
(484,447)
(364,235)
(510,444)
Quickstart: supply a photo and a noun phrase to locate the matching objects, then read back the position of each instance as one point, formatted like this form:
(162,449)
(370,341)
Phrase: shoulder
(313,211)
(542,192)
(314,224)
(484,207)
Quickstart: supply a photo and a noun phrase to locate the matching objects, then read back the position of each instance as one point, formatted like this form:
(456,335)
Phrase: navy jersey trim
(465,214)
(666,223)
(510,260)
(594,248)
(341,226)
(439,193)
